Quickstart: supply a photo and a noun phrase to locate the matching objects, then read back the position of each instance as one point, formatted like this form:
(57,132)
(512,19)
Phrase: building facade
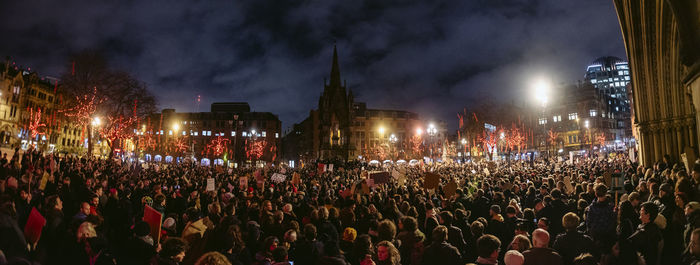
(29,113)
(611,76)
(662,40)
(342,129)
(579,118)
(230,133)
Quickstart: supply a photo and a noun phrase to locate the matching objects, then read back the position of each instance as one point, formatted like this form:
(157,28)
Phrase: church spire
(335,69)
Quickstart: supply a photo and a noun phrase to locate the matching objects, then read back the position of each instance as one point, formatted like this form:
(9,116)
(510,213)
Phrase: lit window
(593,81)
(204,133)
(196,134)
(264,134)
(617,108)
(244,134)
(277,135)
(233,133)
(184,133)
(627,78)
(593,113)
(208,133)
(573,116)
(216,134)
(556,118)
(161,131)
(543,121)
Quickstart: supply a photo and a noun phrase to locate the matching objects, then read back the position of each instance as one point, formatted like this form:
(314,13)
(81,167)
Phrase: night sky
(433,57)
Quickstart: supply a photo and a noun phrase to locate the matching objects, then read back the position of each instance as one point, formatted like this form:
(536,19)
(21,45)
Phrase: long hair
(394,255)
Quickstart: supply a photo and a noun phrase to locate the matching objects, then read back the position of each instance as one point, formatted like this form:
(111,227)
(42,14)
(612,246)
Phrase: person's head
(665,190)
(513,257)
(540,238)
(386,230)
(477,228)
(53,202)
(363,245)
(290,236)
(310,232)
(439,234)
(694,244)
(520,243)
(409,223)
(691,207)
(386,251)
(280,254)
(648,212)
(85,230)
(543,223)
(212,258)
(494,210)
(487,246)
(270,243)
(570,221)
(446,218)
(85,208)
(585,259)
(601,191)
(634,198)
(174,249)
(529,214)
(349,234)
(510,211)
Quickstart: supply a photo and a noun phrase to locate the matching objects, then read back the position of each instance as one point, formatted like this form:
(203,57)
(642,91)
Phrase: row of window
(208,133)
(574,116)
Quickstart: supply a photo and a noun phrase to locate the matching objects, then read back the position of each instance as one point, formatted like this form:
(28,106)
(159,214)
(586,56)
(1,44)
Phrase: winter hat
(349,234)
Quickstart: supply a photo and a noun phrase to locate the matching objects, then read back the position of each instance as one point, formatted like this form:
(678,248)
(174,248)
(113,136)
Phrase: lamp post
(542,94)
(94,123)
(464,154)
(176,130)
(393,140)
(432,131)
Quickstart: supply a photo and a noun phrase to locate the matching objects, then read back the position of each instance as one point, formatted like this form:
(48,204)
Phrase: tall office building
(611,77)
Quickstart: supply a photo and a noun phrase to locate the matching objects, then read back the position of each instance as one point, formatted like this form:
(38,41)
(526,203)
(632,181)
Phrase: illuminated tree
(116,130)
(35,123)
(217,146)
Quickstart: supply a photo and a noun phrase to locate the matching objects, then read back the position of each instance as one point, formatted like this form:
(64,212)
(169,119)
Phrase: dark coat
(573,243)
(646,240)
(537,256)
(443,252)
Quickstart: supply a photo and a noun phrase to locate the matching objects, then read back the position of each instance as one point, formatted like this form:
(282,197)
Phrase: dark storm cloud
(433,57)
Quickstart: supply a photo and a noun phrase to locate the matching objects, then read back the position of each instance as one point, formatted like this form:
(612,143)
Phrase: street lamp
(432,131)
(96,121)
(464,143)
(541,91)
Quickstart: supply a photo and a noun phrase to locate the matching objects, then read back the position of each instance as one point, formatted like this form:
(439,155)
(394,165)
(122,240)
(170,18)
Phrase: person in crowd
(280,256)
(601,218)
(412,239)
(387,254)
(212,258)
(648,239)
(513,257)
(172,252)
(521,243)
(540,253)
(348,240)
(440,249)
(572,242)
(309,250)
(487,247)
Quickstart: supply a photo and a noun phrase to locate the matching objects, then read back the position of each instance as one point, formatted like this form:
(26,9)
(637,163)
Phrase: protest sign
(211,184)
(35,223)
(451,189)
(379,177)
(277,178)
(154,219)
(430,180)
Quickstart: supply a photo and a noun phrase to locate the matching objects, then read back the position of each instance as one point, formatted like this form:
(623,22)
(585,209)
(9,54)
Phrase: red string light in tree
(84,108)
(35,123)
(117,129)
(180,144)
(255,149)
(217,146)
(416,143)
(601,139)
(553,137)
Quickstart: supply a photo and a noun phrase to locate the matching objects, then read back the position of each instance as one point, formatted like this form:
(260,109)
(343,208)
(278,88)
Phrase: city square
(350,132)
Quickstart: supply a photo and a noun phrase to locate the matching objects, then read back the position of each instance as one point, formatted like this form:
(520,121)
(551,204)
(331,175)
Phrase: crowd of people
(545,211)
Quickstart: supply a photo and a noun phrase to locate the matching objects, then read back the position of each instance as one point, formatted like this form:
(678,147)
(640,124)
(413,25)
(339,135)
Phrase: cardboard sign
(211,184)
(277,178)
(243,183)
(379,177)
(321,168)
(616,182)
(330,167)
(431,180)
(607,177)
(395,174)
(35,223)
(154,219)
(689,159)
(451,189)
(567,184)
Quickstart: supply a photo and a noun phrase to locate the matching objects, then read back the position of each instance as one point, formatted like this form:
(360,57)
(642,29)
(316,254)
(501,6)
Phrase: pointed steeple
(335,70)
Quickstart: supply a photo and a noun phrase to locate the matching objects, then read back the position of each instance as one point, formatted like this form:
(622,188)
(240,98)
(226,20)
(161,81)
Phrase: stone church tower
(335,116)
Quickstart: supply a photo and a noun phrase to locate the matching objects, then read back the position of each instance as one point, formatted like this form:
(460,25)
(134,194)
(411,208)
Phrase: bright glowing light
(503,135)
(252,132)
(464,141)
(96,121)
(393,138)
(586,124)
(176,127)
(381,130)
(419,131)
(542,88)
(561,150)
